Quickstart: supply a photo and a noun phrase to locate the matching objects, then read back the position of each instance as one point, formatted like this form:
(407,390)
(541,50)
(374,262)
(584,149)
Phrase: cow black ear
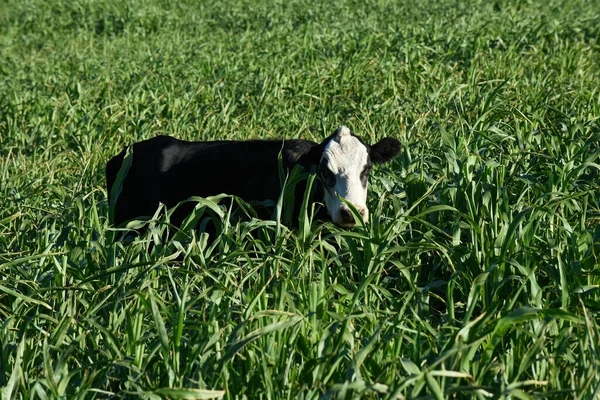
(385,150)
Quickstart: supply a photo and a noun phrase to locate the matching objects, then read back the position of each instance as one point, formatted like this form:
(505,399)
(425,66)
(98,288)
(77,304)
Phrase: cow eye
(326,175)
(364,175)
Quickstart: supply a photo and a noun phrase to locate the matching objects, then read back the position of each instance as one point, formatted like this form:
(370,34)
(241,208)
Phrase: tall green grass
(477,277)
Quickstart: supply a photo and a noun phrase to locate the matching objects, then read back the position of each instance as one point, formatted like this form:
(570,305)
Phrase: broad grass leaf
(410,367)
(189,394)
(8,390)
(113,343)
(434,386)
(10,218)
(364,352)
(117,188)
(474,294)
(26,259)
(160,324)
(274,327)
(23,297)
(304,219)
(564,315)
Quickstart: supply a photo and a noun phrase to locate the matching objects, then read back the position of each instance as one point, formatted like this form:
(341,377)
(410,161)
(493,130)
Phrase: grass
(477,277)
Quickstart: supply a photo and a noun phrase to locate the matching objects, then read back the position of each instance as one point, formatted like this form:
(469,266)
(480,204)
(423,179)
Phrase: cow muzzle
(344,216)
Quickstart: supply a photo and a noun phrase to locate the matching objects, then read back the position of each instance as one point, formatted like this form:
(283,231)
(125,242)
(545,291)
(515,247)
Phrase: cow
(168,170)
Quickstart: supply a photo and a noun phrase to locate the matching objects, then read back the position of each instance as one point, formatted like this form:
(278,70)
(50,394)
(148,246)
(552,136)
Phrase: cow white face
(344,171)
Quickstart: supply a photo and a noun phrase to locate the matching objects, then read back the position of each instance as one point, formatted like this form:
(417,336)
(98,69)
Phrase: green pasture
(478,275)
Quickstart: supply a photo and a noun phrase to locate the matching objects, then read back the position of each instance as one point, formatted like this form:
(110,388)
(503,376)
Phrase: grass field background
(477,276)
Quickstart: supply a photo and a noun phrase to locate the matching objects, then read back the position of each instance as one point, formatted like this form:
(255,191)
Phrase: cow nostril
(362,212)
(346,215)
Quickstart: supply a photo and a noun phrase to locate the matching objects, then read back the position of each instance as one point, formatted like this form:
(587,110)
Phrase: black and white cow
(167,170)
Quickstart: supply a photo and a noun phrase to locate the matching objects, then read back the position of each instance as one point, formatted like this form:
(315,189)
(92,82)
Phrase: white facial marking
(346,157)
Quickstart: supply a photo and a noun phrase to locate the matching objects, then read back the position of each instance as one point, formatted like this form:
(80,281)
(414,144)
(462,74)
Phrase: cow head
(343,164)
(344,170)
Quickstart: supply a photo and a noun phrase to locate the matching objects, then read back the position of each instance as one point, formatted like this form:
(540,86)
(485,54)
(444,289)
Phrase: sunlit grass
(477,275)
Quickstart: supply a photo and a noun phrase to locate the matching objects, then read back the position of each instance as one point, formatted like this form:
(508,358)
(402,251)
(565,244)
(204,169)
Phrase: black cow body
(168,170)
